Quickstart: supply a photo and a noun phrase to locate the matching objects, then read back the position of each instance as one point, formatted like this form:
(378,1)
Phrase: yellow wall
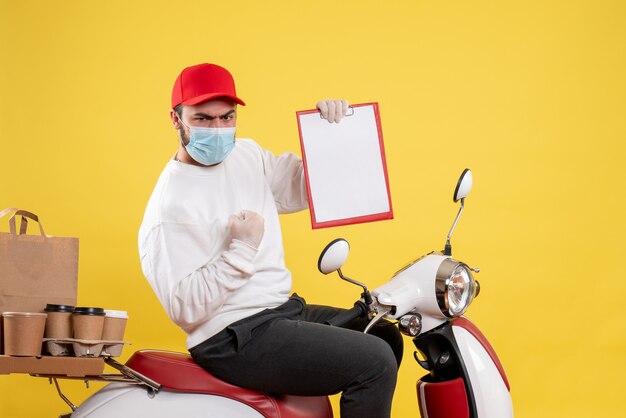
(529,94)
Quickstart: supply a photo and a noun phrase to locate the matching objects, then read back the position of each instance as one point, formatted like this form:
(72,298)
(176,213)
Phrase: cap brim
(211,96)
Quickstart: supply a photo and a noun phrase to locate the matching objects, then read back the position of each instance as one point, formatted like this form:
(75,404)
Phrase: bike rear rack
(126,375)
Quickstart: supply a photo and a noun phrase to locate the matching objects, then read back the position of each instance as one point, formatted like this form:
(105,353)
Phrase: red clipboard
(345,167)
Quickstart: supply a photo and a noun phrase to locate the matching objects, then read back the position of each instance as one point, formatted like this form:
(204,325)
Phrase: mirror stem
(367,297)
(448,248)
(352,281)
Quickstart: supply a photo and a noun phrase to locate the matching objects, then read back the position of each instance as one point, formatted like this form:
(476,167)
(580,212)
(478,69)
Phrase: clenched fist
(247,226)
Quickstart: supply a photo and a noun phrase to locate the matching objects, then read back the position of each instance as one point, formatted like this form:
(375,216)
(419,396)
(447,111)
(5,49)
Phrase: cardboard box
(64,366)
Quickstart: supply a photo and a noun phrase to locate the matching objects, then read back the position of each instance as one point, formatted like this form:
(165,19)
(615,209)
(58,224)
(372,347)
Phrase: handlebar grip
(359,310)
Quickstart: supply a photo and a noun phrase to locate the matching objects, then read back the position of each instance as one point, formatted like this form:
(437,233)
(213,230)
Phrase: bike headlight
(455,287)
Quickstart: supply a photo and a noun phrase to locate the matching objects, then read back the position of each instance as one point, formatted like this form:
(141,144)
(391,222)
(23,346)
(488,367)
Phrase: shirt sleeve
(191,295)
(285,175)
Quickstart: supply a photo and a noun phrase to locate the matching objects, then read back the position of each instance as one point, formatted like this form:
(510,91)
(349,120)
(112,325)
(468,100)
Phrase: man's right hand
(247,226)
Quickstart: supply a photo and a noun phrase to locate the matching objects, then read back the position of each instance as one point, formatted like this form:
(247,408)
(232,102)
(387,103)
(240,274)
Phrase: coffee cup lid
(116,314)
(83,310)
(58,308)
(23,314)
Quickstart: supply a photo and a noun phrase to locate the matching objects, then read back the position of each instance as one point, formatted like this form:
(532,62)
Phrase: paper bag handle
(7,210)
(24,224)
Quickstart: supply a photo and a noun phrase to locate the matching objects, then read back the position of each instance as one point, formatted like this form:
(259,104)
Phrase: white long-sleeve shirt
(205,279)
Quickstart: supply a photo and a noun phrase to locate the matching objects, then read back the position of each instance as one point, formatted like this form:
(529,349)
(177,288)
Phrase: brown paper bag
(35,269)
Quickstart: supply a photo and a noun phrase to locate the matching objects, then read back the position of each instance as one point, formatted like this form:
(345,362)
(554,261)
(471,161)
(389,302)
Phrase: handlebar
(358,311)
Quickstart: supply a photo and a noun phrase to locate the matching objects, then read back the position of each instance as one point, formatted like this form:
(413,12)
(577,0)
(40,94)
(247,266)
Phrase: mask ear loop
(180,119)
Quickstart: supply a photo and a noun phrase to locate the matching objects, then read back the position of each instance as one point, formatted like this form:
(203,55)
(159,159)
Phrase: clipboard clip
(350,112)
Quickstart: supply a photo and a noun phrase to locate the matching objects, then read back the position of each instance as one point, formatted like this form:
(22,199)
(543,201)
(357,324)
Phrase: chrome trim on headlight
(443,282)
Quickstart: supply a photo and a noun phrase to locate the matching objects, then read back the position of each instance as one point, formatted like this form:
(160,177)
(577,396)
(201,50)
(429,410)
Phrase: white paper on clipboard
(345,167)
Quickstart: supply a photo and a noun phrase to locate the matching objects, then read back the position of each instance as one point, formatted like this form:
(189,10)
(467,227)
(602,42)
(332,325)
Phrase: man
(211,248)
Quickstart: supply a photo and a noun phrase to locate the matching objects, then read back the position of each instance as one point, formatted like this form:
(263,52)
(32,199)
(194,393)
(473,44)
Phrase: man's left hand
(333,110)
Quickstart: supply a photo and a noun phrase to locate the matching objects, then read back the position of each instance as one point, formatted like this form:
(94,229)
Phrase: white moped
(427,300)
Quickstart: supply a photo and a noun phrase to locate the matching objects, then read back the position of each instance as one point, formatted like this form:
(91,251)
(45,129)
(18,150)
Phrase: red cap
(203,82)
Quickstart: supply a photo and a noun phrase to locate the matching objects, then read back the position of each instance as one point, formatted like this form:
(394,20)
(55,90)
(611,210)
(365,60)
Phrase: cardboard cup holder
(84,348)
(97,333)
(57,349)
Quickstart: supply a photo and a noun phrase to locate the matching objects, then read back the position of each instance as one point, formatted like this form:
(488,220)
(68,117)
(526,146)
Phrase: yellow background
(530,95)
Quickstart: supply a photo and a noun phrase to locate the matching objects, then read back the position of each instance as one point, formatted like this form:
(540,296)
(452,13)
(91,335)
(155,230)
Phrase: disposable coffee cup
(88,323)
(114,325)
(59,321)
(23,333)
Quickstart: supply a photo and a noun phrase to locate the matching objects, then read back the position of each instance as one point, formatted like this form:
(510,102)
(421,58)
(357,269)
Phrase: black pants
(289,350)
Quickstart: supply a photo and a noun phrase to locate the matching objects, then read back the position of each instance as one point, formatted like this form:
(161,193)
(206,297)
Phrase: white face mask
(210,146)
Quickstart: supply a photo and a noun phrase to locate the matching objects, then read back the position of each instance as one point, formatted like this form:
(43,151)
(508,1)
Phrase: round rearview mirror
(333,256)
(464,186)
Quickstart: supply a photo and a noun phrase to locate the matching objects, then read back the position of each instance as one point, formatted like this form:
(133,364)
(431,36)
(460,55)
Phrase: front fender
(459,356)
